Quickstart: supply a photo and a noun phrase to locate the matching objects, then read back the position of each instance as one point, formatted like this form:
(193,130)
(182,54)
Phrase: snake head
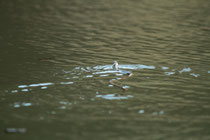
(115,65)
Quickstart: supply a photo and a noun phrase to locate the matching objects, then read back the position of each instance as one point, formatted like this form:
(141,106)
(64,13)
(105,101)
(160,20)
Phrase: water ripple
(114,97)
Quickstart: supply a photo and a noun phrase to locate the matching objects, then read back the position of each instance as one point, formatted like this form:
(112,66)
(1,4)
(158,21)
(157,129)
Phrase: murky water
(56,59)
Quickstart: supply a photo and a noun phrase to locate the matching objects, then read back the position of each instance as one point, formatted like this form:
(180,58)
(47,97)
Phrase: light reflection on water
(17,105)
(114,97)
(103,71)
(125,66)
(35,85)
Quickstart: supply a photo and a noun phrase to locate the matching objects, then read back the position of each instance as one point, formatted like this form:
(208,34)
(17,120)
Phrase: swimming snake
(127,73)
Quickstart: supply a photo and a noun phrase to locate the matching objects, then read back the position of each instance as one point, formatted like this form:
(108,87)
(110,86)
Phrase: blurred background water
(56,59)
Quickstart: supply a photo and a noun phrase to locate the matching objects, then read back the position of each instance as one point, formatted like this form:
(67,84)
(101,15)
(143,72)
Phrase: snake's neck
(115,66)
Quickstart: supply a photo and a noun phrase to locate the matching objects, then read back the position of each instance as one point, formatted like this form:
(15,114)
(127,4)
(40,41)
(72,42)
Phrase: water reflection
(88,72)
(169,73)
(18,105)
(44,87)
(114,96)
(35,85)
(65,105)
(195,75)
(25,90)
(66,83)
(155,113)
(103,71)
(185,70)
(125,66)
(141,111)
(158,113)
(164,68)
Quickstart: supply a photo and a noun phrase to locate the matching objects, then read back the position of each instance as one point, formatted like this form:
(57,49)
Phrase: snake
(127,74)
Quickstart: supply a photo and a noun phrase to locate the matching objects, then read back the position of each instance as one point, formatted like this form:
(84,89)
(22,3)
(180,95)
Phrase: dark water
(56,58)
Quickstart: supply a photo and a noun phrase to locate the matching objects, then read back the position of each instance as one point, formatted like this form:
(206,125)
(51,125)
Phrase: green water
(56,59)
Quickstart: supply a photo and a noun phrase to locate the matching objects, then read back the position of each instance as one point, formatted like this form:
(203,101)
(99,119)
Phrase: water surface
(56,59)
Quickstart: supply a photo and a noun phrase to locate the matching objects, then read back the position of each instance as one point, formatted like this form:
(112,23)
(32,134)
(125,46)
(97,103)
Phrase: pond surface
(56,65)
